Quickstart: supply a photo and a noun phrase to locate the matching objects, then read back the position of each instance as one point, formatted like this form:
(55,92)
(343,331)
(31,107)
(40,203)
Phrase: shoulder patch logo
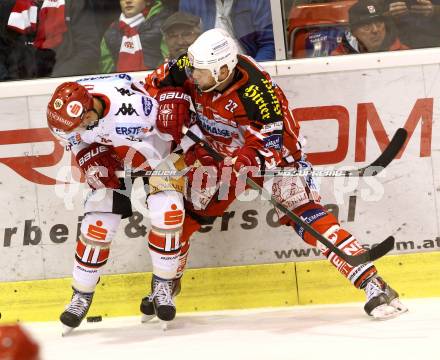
(147,105)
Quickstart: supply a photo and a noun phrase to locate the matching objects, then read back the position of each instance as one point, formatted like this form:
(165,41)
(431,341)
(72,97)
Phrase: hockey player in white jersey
(107,122)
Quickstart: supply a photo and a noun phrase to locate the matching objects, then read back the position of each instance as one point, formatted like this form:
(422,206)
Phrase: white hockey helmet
(212,50)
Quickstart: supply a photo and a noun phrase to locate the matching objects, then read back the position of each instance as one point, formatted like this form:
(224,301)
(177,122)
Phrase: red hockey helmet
(66,110)
(16,344)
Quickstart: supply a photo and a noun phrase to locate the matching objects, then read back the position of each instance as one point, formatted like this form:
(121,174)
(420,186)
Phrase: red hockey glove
(99,163)
(173,111)
(198,152)
(245,157)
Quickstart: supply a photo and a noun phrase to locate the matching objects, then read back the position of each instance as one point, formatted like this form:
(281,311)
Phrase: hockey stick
(372,169)
(354,260)
(384,159)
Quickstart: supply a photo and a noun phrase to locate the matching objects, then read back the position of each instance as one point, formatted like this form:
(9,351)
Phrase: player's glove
(197,156)
(198,152)
(246,157)
(173,111)
(99,163)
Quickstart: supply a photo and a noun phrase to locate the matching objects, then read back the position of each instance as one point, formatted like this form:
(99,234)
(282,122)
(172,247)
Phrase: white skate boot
(382,301)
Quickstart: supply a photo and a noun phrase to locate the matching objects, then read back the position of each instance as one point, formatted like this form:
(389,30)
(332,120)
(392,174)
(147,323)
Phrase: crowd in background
(54,38)
(368,26)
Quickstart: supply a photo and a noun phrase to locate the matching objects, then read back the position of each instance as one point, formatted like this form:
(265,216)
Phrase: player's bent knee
(93,248)
(100,227)
(166,210)
(97,233)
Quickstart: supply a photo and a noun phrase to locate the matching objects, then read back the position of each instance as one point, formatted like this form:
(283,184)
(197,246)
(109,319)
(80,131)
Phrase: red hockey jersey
(253,111)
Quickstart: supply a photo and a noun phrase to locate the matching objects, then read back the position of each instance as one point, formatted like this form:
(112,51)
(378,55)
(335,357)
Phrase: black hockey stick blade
(385,158)
(383,248)
(373,254)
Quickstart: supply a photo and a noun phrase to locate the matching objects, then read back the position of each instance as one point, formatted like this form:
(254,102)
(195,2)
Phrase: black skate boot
(150,304)
(382,301)
(76,311)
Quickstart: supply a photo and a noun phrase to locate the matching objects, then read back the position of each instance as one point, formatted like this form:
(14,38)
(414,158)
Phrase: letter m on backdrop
(367,114)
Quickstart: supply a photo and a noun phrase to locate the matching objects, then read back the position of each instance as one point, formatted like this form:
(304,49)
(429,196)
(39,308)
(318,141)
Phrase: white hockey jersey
(128,123)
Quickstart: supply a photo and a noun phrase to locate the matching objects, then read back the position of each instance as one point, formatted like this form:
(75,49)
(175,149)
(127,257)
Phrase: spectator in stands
(134,42)
(249,22)
(370,30)
(106,12)
(418,21)
(17,57)
(59,37)
(180,30)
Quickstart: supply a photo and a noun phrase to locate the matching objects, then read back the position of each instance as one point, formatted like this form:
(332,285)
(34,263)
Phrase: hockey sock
(327,224)
(183,257)
(164,247)
(93,249)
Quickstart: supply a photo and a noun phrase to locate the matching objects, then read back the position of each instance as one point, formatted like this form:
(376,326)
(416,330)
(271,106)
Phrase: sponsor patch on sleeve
(268,128)
(273,142)
(147,105)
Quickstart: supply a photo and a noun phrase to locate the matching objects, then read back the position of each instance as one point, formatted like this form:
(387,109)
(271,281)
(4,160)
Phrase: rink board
(347,118)
(239,287)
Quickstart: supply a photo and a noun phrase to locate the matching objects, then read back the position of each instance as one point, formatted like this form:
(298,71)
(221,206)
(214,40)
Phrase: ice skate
(158,303)
(76,311)
(382,301)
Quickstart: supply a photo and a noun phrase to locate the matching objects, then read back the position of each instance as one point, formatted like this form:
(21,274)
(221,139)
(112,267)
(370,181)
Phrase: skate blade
(164,325)
(386,312)
(146,318)
(397,304)
(66,330)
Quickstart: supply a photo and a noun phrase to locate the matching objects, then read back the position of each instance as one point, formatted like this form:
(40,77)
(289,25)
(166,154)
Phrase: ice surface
(302,332)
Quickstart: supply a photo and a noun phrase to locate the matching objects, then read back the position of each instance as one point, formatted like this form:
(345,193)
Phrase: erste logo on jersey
(74,109)
(131,129)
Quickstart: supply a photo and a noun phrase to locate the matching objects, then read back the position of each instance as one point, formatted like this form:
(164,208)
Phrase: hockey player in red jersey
(109,122)
(245,117)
